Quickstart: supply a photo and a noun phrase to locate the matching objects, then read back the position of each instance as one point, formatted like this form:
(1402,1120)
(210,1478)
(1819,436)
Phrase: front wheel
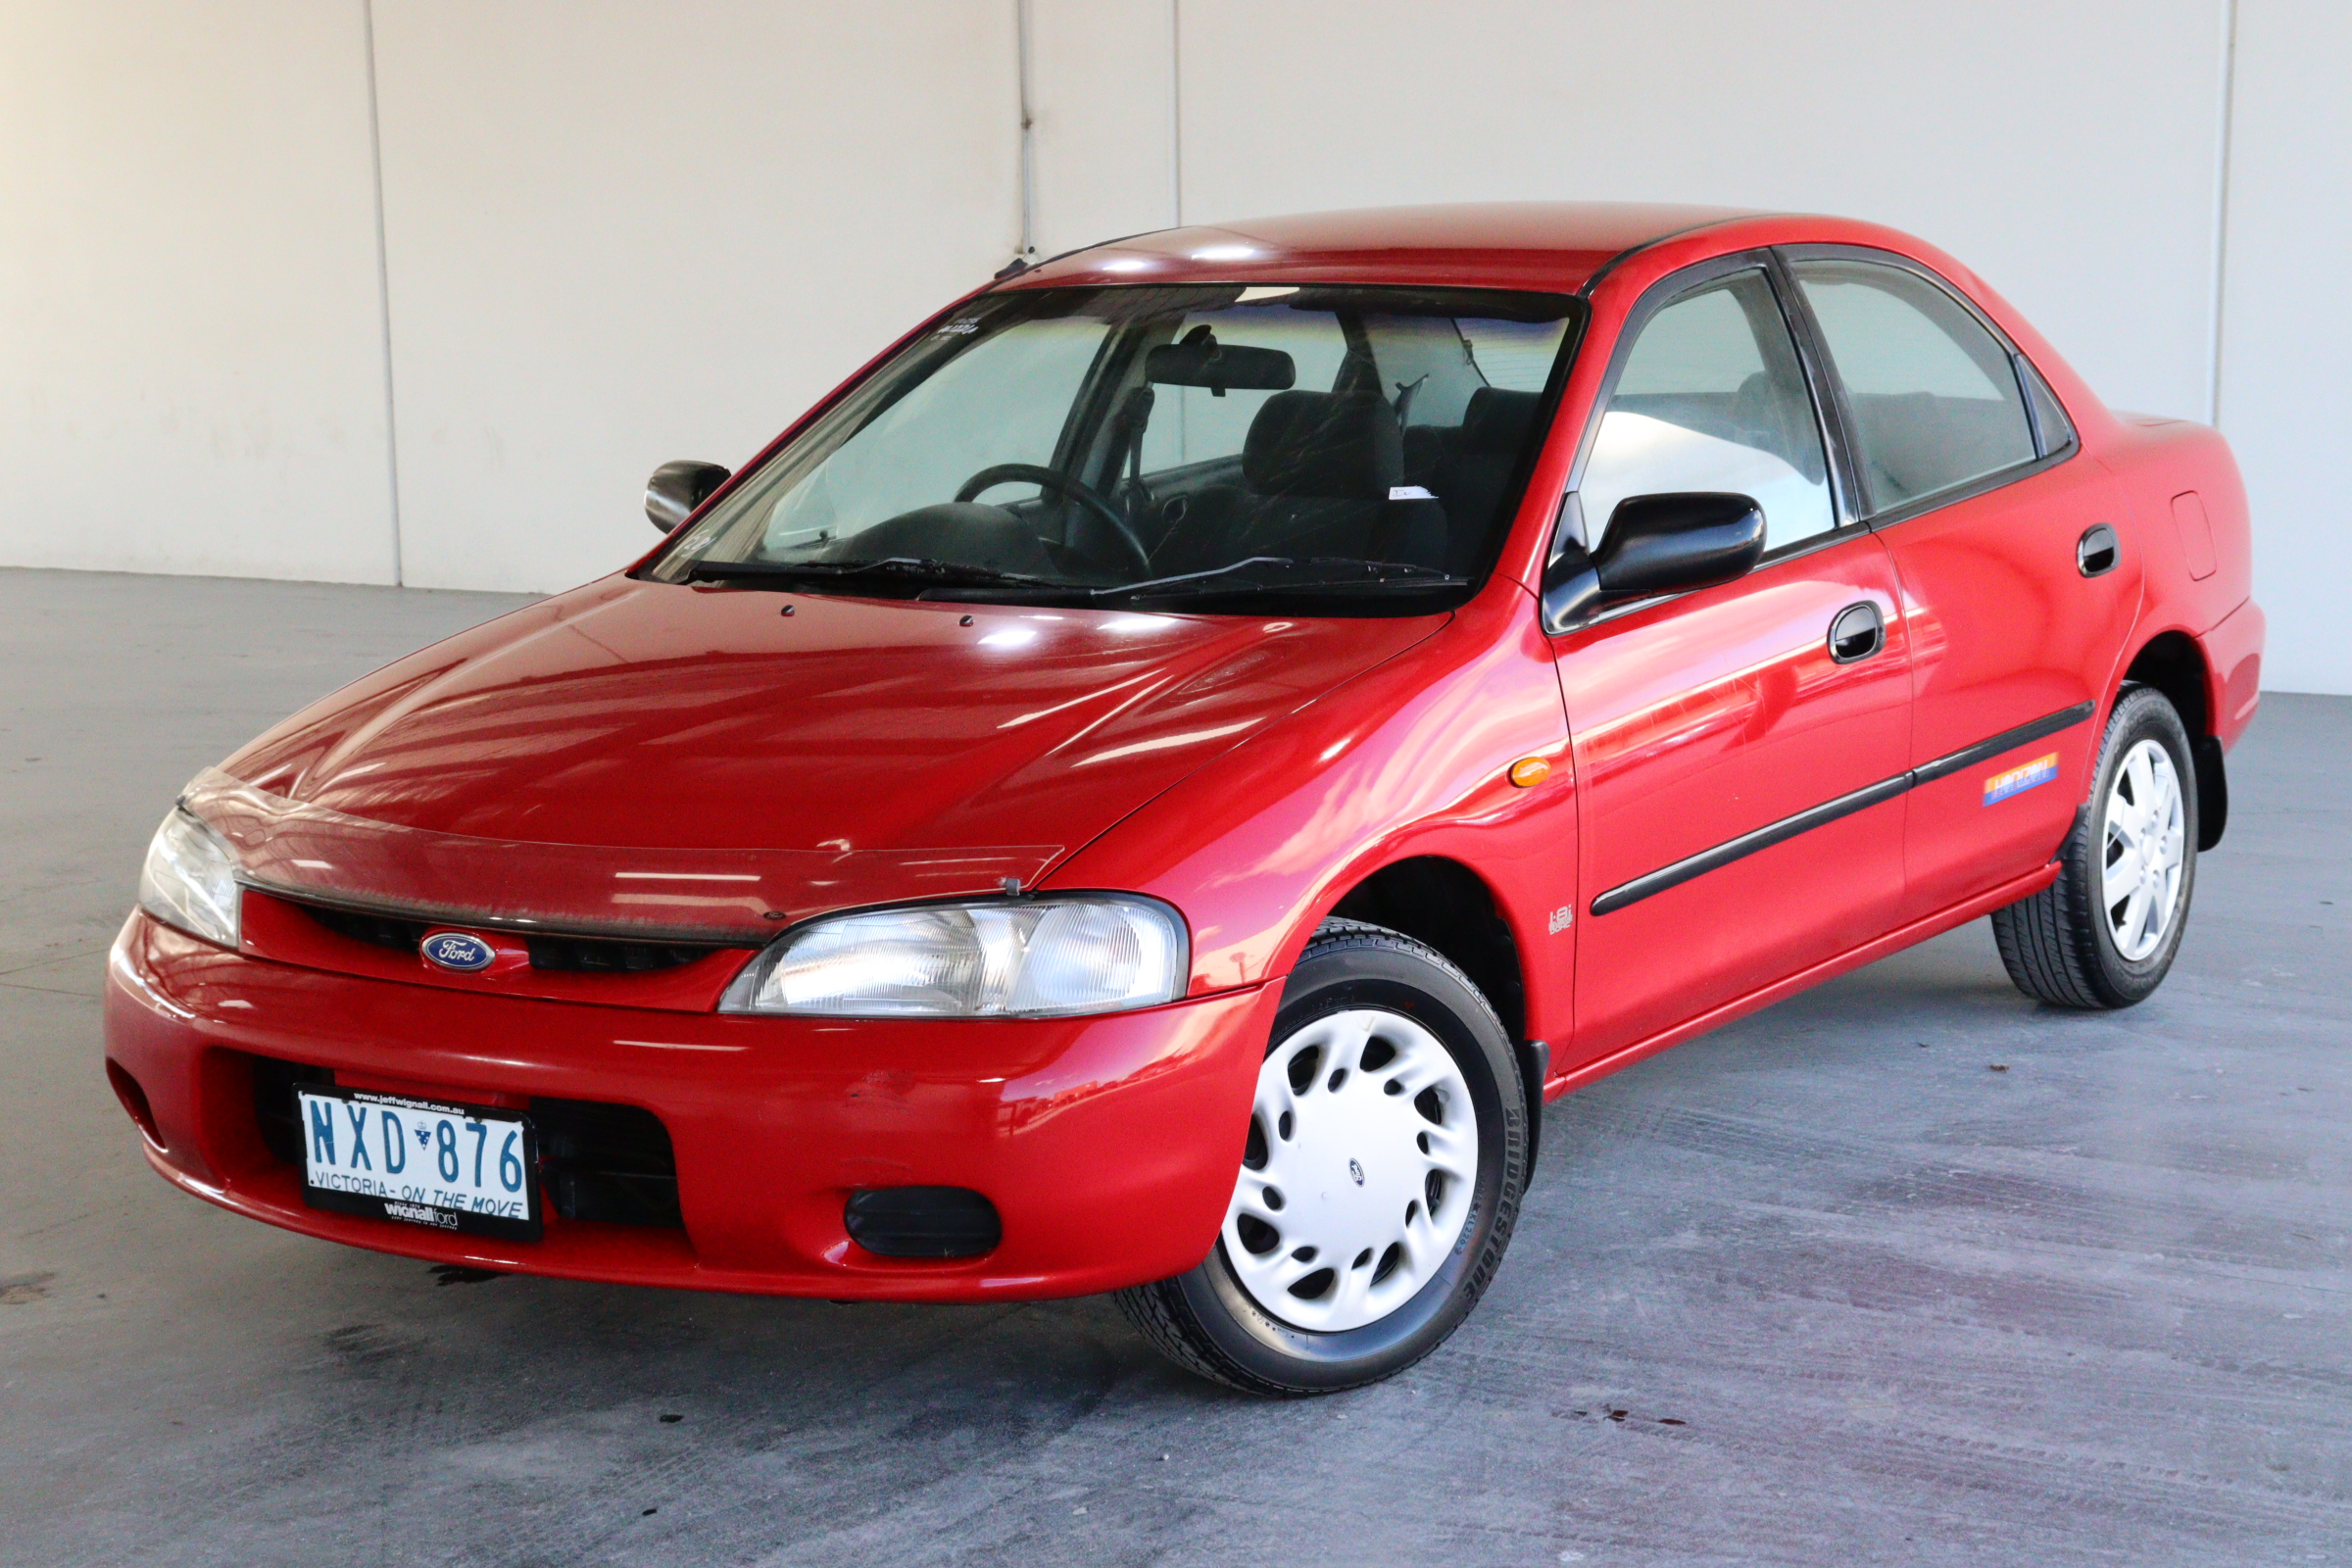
(1387,1149)
(2104,934)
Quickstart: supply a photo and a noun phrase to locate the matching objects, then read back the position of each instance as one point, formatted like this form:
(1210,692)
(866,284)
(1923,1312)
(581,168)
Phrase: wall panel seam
(2221,212)
(383,296)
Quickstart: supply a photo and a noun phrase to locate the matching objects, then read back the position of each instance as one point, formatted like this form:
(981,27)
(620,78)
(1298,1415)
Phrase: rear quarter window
(1934,396)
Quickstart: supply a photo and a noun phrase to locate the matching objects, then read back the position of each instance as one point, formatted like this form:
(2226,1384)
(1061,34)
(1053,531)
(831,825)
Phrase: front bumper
(1108,1145)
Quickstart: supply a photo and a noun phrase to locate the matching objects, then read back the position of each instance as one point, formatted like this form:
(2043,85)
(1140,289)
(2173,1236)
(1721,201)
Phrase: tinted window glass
(1429,369)
(1934,396)
(1712,398)
(1323,447)
(918,449)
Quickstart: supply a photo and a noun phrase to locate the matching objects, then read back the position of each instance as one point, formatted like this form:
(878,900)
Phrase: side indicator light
(1530,771)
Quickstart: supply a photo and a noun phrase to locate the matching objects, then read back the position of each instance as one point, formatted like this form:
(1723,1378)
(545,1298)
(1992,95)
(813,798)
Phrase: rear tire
(2104,934)
(1361,1109)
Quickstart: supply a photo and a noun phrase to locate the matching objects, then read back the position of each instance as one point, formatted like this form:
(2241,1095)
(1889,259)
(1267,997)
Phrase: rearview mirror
(677,488)
(1662,544)
(1201,360)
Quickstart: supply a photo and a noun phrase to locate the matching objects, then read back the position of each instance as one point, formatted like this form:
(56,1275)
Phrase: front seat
(1318,468)
(1474,474)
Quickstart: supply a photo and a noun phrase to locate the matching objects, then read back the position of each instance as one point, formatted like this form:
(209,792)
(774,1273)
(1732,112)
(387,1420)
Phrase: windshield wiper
(1337,573)
(1257,574)
(915,568)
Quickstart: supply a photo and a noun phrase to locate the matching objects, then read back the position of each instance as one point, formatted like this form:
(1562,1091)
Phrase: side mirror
(1663,544)
(677,488)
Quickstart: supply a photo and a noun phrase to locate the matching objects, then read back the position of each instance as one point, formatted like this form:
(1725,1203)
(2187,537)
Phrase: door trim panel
(1830,811)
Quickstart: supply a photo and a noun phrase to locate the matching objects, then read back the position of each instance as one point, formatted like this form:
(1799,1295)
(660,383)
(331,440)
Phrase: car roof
(1542,245)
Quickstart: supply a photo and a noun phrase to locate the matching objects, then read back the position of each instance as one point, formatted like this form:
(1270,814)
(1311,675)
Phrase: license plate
(450,1167)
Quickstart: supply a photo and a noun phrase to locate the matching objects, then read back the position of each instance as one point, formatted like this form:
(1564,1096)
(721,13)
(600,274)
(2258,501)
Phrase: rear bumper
(2233,657)
(1108,1145)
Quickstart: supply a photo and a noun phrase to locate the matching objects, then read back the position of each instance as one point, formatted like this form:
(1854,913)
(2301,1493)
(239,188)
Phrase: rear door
(1737,820)
(2017,586)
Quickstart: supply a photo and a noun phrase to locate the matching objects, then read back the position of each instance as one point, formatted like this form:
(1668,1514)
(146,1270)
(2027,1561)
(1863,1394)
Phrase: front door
(1739,751)
(2018,604)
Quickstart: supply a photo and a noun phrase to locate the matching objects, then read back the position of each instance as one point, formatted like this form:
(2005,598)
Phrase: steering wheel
(1073,489)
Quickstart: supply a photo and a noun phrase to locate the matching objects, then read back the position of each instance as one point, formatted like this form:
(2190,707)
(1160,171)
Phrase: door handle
(1858,632)
(2096,552)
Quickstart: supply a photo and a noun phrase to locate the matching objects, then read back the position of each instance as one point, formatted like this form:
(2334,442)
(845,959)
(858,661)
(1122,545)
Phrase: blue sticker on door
(2019,779)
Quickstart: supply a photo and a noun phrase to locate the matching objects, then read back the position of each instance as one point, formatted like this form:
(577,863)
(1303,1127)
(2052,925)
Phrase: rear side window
(1934,396)
(1712,398)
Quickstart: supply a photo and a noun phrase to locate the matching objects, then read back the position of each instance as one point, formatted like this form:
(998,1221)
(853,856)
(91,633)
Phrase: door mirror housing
(677,488)
(1661,544)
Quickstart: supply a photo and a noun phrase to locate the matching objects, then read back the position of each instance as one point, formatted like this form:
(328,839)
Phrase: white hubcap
(1362,1158)
(2144,846)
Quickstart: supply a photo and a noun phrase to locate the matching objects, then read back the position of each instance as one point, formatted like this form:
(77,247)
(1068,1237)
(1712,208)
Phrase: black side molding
(1828,811)
(1985,751)
(1747,843)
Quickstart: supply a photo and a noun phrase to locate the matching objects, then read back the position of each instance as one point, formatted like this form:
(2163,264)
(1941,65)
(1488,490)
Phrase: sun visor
(307,852)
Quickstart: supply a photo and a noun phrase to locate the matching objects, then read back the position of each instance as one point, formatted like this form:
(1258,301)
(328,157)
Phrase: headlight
(1028,959)
(190,880)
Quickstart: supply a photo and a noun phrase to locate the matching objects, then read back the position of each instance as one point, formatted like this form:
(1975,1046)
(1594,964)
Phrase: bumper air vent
(608,1163)
(569,954)
(273,1083)
(923,1221)
(134,1100)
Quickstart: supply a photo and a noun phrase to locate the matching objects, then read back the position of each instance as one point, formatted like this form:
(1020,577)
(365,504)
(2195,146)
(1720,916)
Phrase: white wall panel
(639,231)
(625,231)
(2064,152)
(1102,90)
(2286,390)
(191,354)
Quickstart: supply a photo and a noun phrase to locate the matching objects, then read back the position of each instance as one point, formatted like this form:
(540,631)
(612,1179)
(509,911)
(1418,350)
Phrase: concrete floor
(1822,1287)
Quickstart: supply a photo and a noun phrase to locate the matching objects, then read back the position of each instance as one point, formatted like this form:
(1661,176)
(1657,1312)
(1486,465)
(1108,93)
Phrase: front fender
(1411,759)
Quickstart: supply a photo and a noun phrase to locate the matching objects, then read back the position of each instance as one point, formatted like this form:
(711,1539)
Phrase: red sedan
(1151,785)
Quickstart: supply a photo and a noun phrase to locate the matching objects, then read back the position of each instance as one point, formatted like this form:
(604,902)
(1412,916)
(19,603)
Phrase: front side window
(1712,397)
(1933,395)
(1353,449)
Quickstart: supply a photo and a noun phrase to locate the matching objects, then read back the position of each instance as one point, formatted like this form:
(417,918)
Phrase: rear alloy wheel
(2104,934)
(2143,850)
(1385,1156)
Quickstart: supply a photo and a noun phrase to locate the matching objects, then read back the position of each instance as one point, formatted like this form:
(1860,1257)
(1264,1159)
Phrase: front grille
(612,1164)
(377,930)
(603,955)
(569,954)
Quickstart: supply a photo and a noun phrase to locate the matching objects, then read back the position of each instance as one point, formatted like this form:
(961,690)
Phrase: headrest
(1340,444)
(1496,421)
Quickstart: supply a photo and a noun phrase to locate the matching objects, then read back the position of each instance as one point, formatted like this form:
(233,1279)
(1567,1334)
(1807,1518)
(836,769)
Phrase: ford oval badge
(461,950)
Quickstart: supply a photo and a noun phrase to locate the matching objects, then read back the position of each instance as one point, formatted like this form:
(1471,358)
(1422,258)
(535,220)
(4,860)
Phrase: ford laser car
(1151,785)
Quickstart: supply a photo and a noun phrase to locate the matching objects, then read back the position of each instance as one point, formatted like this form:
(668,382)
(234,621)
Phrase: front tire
(1386,1153)
(2104,934)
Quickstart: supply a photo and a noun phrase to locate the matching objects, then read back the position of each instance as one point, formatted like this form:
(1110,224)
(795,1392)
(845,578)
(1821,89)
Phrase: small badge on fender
(461,950)
(2019,779)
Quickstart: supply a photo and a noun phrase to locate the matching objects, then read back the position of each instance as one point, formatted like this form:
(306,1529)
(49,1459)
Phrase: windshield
(1354,450)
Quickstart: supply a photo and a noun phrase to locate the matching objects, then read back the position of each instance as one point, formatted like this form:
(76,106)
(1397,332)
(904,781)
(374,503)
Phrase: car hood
(856,750)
